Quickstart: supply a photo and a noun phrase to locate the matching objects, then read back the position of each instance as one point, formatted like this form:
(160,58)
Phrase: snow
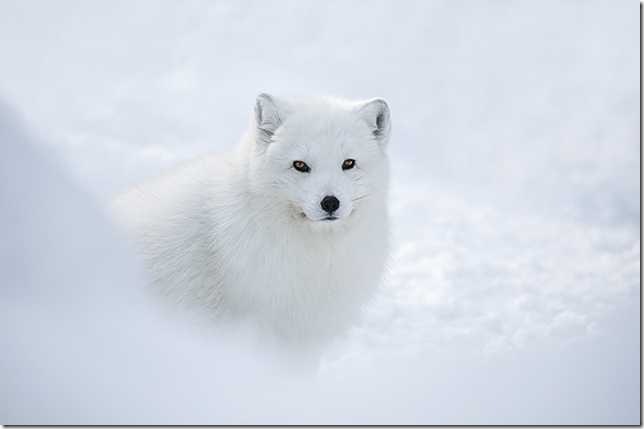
(514,287)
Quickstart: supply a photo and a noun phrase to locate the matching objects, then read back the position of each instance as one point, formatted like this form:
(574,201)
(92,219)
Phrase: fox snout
(330,204)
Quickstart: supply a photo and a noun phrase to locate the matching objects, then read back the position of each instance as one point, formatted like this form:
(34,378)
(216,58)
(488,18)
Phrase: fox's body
(246,235)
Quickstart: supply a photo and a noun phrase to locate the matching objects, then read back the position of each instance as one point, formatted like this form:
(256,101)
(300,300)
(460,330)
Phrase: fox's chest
(302,284)
(290,266)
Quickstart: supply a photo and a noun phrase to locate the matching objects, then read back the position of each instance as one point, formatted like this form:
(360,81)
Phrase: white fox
(289,231)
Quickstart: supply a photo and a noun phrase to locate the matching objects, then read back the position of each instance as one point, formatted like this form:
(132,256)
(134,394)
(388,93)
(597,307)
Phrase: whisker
(360,197)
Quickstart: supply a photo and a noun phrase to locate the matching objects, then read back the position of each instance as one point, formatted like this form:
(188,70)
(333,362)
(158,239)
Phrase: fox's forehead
(322,128)
(320,141)
(316,127)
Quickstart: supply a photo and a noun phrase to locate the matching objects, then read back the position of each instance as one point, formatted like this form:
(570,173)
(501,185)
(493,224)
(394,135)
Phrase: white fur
(242,235)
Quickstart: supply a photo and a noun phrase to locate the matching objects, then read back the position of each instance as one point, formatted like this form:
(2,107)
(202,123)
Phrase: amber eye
(348,164)
(301,166)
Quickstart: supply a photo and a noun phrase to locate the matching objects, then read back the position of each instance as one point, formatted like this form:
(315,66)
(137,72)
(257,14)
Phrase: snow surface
(514,289)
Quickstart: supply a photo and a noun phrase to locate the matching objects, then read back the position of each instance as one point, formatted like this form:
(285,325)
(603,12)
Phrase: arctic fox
(289,230)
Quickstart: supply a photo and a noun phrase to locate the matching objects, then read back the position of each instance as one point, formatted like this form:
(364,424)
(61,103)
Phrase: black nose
(330,204)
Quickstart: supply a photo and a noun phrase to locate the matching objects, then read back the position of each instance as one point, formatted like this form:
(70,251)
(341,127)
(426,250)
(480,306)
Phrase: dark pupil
(348,164)
(300,166)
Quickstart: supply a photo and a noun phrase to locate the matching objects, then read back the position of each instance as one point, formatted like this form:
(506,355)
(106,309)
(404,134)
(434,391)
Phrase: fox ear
(267,116)
(376,113)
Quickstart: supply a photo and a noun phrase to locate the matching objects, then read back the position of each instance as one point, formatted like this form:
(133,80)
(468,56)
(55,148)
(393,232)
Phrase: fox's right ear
(267,116)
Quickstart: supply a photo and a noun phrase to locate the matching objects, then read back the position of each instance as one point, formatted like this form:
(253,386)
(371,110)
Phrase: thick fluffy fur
(244,235)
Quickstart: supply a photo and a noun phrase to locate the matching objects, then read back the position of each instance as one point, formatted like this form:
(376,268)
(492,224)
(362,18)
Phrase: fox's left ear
(376,113)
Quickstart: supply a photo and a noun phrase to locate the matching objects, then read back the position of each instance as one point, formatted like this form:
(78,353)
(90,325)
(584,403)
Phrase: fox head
(321,161)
